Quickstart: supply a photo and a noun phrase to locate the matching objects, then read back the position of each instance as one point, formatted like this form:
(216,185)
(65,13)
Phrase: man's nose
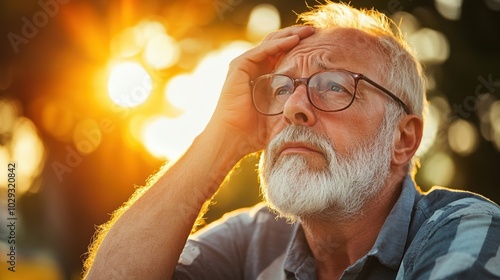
(298,110)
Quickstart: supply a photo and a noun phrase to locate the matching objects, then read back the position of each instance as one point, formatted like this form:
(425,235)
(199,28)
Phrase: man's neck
(338,243)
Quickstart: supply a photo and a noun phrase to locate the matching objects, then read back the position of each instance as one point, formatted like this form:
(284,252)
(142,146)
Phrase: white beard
(340,189)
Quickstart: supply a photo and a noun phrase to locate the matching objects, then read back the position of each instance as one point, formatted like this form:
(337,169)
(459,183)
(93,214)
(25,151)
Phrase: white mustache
(298,134)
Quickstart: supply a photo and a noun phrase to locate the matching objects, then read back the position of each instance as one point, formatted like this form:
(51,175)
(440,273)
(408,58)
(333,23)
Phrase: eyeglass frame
(305,81)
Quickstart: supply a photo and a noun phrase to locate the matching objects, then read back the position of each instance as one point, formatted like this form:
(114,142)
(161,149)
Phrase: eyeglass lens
(328,91)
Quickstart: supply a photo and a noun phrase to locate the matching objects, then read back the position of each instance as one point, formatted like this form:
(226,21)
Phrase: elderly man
(338,103)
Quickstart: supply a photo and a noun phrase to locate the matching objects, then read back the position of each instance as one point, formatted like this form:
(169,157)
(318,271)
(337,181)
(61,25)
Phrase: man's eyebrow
(317,64)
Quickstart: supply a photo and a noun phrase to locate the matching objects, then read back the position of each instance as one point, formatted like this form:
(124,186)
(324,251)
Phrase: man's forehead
(336,48)
(288,68)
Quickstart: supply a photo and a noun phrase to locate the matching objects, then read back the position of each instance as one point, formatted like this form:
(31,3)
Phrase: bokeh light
(148,29)
(439,169)
(28,152)
(129,84)
(20,143)
(193,50)
(161,52)
(126,43)
(431,45)
(494,115)
(496,140)
(155,69)
(168,138)
(432,119)
(495,123)
(9,112)
(195,95)
(449,9)
(264,19)
(463,137)
(408,23)
(5,158)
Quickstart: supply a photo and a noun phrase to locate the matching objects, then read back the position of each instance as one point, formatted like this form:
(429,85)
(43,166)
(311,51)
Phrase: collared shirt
(442,234)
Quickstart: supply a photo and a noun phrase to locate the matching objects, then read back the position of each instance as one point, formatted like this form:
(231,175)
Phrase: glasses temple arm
(392,95)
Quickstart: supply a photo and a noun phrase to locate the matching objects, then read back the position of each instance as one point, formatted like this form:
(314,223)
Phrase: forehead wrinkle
(316,64)
(327,50)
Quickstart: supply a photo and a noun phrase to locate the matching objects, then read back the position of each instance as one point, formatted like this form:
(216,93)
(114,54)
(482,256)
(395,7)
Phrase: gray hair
(403,73)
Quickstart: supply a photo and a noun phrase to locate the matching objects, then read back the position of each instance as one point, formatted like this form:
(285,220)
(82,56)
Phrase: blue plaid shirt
(442,234)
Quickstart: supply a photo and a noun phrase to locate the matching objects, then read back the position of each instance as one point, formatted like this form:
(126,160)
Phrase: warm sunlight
(438,163)
(264,19)
(432,119)
(168,138)
(196,95)
(29,153)
(161,52)
(129,84)
(463,137)
(98,97)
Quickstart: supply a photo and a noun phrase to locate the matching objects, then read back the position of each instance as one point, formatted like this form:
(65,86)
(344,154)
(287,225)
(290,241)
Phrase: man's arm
(145,238)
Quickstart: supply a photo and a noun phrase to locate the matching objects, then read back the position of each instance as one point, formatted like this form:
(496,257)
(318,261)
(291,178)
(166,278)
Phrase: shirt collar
(391,242)
(299,260)
(389,246)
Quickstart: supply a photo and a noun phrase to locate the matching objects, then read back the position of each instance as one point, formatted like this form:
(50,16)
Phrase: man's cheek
(273,127)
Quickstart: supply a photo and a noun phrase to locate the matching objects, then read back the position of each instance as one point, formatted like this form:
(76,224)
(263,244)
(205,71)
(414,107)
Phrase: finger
(276,43)
(302,31)
(263,58)
(269,49)
(273,48)
(281,41)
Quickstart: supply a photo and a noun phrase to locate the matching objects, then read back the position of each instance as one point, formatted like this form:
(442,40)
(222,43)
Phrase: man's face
(338,49)
(319,160)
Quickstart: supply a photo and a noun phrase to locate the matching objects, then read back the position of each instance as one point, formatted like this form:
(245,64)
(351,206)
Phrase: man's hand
(167,209)
(235,112)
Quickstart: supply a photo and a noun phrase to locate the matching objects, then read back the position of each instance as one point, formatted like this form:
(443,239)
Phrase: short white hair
(403,73)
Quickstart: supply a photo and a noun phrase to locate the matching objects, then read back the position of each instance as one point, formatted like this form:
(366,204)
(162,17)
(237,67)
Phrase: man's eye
(336,88)
(282,91)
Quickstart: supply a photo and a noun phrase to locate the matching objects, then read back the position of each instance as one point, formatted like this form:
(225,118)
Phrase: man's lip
(295,148)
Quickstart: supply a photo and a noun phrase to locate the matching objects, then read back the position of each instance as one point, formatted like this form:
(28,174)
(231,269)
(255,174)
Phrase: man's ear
(407,138)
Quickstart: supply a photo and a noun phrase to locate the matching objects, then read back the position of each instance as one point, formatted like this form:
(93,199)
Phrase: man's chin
(324,214)
(296,213)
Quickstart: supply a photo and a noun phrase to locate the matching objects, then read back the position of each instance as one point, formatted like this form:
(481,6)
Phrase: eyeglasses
(328,91)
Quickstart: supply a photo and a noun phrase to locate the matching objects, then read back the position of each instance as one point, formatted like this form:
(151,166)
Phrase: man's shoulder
(445,202)
(255,219)
(456,236)
(254,215)
(244,241)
